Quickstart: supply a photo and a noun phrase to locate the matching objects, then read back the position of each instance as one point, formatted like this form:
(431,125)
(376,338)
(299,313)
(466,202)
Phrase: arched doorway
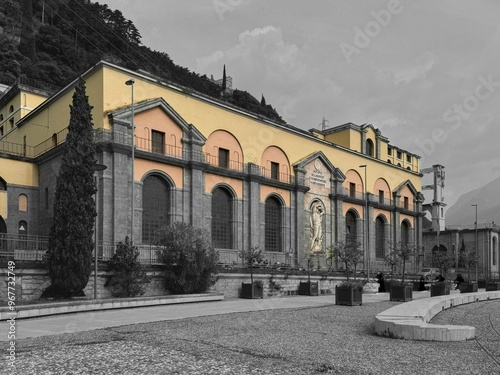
(351,232)
(222,215)
(273,224)
(380,240)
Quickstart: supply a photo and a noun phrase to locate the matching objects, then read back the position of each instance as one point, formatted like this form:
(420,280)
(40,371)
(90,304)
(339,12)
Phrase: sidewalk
(69,323)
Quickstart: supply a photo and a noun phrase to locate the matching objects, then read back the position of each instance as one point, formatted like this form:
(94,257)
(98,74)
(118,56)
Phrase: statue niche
(316,221)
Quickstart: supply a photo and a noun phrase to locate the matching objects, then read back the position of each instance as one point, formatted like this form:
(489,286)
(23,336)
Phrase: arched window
(380,241)
(369,147)
(23,202)
(23,228)
(3,184)
(222,212)
(405,232)
(351,234)
(156,207)
(494,254)
(273,225)
(3,226)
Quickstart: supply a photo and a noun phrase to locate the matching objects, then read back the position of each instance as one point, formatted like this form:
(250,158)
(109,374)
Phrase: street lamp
(130,83)
(366,237)
(98,168)
(477,250)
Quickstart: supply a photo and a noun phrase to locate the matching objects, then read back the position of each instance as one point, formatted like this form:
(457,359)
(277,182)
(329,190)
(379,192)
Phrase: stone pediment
(319,158)
(319,173)
(123,116)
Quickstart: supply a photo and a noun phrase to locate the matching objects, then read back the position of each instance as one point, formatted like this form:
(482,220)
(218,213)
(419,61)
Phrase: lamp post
(475,239)
(98,168)
(366,237)
(130,83)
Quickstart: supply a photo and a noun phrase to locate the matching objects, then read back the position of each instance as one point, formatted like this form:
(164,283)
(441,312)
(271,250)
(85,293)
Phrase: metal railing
(231,164)
(16,149)
(23,248)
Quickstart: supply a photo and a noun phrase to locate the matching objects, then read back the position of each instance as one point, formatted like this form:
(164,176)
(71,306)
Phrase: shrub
(128,277)
(188,258)
(352,284)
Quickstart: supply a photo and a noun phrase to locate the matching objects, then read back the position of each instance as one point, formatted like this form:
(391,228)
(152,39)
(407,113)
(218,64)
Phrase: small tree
(404,251)
(442,260)
(351,254)
(128,277)
(392,260)
(188,257)
(251,256)
(469,260)
(69,254)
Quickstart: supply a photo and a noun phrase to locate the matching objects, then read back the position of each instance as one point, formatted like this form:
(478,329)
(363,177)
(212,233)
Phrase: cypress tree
(70,244)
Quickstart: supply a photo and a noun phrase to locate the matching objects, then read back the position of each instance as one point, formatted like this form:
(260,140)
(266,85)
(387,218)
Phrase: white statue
(316,219)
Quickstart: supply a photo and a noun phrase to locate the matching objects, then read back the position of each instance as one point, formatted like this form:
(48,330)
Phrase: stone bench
(410,320)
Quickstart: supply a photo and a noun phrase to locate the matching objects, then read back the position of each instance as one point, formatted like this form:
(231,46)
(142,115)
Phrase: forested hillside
(53,41)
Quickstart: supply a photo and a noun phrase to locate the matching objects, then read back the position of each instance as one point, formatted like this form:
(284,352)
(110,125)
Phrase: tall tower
(437,206)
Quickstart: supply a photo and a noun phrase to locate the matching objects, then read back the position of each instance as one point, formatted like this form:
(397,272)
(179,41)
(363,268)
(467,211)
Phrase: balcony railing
(225,164)
(277,176)
(16,149)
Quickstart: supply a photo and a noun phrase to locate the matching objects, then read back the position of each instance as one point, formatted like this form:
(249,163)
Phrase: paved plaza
(288,335)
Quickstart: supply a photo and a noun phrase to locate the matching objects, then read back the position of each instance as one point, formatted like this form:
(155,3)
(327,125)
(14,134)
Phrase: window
(380,238)
(46,198)
(156,207)
(221,219)
(389,151)
(399,155)
(494,252)
(223,158)
(272,225)
(405,232)
(352,189)
(381,199)
(23,228)
(275,171)
(408,158)
(23,202)
(351,234)
(406,203)
(158,141)
(369,147)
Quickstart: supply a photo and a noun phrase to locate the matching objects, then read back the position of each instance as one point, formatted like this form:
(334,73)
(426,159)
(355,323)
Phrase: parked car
(429,273)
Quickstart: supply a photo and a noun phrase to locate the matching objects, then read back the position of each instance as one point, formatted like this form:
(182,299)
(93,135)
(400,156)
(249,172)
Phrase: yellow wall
(142,167)
(211,180)
(266,191)
(17,172)
(3,204)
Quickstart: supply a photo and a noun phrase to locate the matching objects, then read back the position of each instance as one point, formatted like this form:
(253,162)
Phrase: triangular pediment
(408,183)
(123,116)
(320,156)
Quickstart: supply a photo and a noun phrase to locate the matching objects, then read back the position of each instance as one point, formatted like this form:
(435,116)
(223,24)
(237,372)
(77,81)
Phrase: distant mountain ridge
(487,199)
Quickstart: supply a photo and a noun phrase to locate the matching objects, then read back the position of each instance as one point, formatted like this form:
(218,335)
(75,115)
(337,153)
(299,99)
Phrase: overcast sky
(426,72)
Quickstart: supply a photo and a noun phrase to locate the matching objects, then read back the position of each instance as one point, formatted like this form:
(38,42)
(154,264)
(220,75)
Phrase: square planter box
(349,296)
(492,286)
(307,288)
(440,289)
(468,287)
(401,293)
(246,290)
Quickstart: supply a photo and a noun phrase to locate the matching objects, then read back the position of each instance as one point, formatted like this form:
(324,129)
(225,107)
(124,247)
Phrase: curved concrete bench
(410,320)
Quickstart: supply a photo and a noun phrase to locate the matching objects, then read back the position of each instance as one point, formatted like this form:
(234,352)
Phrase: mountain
(53,41)
(487,199)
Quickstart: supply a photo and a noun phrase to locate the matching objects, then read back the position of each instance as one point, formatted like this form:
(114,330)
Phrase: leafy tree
(351,254)
(469,260)
(392,260)
(188,257)
(250,257)
(442,260)
(69,254)
(403,251)
(128,277)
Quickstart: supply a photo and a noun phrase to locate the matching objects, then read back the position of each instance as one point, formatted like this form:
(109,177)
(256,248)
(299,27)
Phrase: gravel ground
(324,340)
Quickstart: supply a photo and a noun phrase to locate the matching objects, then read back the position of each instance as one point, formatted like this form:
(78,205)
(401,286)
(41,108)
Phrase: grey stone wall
(30,283)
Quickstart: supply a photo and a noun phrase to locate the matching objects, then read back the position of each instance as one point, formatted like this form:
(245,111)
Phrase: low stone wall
(31,282)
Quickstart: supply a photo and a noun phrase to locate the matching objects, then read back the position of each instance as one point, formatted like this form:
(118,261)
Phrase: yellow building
(249,181)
